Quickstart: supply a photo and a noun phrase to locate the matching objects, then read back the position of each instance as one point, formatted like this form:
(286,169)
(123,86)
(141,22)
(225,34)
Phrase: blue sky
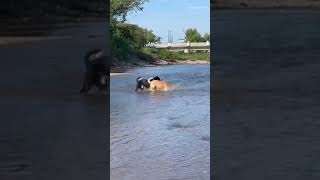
(175,15)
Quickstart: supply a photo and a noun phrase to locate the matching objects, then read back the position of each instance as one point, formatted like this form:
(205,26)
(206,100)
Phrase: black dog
(96,71)
(144,83)
(154,78)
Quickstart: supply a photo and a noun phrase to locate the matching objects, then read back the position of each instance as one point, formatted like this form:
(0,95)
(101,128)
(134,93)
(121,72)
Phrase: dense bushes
(129,39)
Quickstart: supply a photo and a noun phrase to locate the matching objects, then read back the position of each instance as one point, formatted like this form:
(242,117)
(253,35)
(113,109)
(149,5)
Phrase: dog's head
(141,84)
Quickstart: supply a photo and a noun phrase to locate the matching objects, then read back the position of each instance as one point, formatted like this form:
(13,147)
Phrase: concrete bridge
(185,47)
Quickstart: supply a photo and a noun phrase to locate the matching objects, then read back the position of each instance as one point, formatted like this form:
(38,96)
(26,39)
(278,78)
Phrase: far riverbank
(122,67)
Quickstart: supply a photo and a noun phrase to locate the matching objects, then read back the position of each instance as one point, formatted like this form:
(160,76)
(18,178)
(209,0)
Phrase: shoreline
(123,70)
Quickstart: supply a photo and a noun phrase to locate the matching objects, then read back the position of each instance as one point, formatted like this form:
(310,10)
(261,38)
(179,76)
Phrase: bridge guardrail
(181,45)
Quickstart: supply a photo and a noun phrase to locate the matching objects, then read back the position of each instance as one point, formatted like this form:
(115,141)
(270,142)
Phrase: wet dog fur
(153,84)
(158,85)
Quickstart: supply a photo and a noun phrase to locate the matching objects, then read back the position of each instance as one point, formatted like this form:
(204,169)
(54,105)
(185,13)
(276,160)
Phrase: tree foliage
(119,9)
(151,37)
(192,35)
(128,38)
(206,37)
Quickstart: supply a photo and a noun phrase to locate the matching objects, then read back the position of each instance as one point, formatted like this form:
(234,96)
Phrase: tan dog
(153,84)
(158,85)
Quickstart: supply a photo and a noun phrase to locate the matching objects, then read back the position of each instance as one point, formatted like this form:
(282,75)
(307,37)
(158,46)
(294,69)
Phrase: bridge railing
(180,45)
(200,44)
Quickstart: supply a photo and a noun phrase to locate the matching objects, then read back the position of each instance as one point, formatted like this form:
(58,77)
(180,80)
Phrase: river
(161,135)
(48,130)
(266,94)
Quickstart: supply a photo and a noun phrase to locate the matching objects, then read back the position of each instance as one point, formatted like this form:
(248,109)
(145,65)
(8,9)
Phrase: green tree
(151,37)
(125,38)
(128,39)
(119,9)
(158,40)
(206,37)
(193,35)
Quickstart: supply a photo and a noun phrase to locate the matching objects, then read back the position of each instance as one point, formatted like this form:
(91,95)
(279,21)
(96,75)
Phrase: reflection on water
(161,135)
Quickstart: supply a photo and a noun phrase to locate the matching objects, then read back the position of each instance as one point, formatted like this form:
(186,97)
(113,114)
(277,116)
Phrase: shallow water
(266,94)
(47,129)
(161,135)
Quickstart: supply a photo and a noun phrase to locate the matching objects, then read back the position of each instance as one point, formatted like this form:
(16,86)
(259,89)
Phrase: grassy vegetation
(155,54)
(128,40)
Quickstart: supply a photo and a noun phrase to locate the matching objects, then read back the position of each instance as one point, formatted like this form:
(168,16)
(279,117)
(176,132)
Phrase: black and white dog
(97,72)
(144,83)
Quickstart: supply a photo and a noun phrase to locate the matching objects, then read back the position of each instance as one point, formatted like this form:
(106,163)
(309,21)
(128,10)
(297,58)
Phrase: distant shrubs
(192,35)
(171,56)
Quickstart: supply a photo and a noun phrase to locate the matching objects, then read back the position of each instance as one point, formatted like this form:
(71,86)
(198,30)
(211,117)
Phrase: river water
(161,135)
(266,94)
(47,129)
